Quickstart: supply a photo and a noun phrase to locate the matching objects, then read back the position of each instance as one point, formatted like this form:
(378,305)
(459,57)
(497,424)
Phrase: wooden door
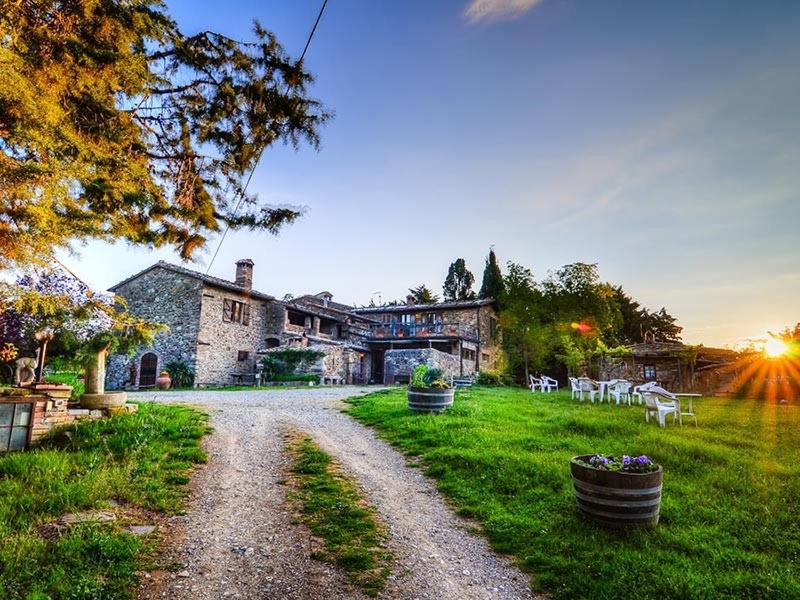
(147,371)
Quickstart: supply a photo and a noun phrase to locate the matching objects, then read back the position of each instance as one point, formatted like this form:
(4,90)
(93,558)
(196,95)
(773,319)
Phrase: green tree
(423,295)
(638,320)
(492,285)
(526,338)
(459,282)
(114,124)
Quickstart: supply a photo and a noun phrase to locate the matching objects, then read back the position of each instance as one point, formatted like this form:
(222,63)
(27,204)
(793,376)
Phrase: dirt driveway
(238,539)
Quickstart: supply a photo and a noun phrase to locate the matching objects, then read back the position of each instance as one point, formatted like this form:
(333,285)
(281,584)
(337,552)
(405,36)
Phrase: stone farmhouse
(222,329)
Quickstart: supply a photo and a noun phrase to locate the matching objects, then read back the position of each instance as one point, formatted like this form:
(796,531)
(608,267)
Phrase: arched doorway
(147,371)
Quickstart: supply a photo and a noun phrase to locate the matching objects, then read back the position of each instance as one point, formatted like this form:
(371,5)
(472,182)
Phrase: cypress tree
(492,286)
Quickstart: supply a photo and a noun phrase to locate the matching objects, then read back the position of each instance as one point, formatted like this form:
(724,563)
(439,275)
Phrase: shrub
(288,362)
(489,378)
(431,375)
(180,373)
(418,377)
(428,377)
(73,378)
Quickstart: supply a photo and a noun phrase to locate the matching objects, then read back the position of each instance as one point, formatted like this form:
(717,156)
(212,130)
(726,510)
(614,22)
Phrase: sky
(660,140)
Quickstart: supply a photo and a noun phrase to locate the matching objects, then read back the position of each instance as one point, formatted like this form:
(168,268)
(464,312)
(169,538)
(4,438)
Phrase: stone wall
(219,342)
(51,409)
(167,297)
(398,365)
(350,365)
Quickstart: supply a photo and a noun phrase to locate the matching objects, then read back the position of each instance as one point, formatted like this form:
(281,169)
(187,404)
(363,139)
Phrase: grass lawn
(333,510)
(729,515)
(141,461)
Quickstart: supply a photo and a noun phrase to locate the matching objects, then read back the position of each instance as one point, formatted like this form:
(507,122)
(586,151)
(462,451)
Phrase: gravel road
(238,539)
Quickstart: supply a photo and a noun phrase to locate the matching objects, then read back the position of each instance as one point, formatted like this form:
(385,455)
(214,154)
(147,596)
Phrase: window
(485,358)
(296,318)
(234,311)
(492,327)
(243,356)
(467,354)
(431,318)
(15,424)
(649,372)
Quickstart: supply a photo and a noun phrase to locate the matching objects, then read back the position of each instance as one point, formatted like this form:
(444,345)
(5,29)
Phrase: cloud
(495,10)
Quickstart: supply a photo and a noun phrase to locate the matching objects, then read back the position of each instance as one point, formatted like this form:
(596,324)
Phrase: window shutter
(227,310)
(245,314)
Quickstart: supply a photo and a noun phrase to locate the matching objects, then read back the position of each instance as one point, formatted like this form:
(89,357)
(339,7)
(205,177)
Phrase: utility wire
(261,152)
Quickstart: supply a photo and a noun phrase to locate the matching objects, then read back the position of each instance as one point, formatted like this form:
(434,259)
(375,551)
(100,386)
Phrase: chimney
(410,300)
(244,273)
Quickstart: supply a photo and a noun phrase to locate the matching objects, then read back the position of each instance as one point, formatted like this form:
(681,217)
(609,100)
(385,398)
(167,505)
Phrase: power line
(261,152)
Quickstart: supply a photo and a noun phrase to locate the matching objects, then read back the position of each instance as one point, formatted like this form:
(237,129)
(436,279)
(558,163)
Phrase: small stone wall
(51,409)
(399,365)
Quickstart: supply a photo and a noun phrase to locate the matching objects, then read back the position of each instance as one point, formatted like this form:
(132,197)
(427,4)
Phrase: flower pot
(430,399)
(617,499)
(163,381)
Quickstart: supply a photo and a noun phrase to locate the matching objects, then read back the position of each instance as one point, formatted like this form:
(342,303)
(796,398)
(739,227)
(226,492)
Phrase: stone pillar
(315,326)
(96,374)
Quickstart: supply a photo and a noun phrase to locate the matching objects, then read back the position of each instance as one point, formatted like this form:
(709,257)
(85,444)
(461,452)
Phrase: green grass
(729,517)
(333,510)
(140,460)
(70,378)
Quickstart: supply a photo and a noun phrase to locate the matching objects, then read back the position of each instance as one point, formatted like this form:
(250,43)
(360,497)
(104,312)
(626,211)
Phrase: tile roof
(207,279)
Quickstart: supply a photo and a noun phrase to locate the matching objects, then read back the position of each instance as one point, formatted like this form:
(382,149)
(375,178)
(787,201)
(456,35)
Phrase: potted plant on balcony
(619,492)
(428,391)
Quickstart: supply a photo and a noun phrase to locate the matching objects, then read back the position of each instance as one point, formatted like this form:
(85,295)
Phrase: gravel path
(238,540)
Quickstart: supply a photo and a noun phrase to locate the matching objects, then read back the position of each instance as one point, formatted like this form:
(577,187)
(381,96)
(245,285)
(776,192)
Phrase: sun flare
(774,348)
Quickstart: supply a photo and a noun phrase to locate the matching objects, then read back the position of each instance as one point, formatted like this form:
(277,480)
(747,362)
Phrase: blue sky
(659,139)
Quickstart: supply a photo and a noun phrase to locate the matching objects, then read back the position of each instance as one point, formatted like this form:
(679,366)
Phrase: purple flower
(626,460)
(642,460)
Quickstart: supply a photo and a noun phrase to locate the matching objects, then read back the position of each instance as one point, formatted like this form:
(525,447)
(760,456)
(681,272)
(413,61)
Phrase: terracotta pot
(163,381)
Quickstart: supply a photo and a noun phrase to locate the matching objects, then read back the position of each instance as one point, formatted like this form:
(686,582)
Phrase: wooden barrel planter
(616,499)
(430,399)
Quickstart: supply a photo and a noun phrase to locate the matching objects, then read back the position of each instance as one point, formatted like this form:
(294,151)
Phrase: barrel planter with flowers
(428,391)
(618,492)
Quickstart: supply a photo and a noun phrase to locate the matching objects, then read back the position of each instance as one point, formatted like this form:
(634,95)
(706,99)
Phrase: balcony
(393,331)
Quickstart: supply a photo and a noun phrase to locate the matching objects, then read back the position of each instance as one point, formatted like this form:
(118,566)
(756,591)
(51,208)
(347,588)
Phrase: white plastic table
(603,385)
(690,412)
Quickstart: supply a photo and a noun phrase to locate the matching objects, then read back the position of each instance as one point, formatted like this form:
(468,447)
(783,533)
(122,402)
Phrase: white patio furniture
(621,390)
(690,411)
(601,389)
(549,384)
(575,387)
(637,390)
(586,386)
(660,402)
(535,382)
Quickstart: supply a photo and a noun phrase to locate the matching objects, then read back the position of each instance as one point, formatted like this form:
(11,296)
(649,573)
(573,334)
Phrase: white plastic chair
(638,389)
(575,387)
(621,390)
(549,384)
(535,382)
(659,401)
(586,386)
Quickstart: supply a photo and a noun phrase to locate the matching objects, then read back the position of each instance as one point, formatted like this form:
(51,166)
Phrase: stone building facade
(222,328)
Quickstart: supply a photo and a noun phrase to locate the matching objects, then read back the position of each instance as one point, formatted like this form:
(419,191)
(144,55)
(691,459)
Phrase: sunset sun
(774,348)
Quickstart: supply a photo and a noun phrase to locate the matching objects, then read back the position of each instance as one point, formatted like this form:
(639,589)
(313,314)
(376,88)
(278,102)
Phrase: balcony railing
(422,330)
